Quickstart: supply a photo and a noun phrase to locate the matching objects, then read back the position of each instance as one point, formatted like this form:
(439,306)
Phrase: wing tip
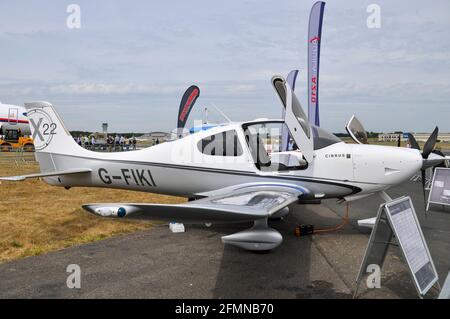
(13,178)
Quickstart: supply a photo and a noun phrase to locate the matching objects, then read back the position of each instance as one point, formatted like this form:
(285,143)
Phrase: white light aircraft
(225,171)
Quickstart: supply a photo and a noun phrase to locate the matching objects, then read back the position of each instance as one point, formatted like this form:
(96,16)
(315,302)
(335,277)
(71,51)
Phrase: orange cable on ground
(341,225)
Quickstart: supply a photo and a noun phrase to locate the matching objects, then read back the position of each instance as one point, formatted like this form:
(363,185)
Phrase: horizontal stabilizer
(49,174)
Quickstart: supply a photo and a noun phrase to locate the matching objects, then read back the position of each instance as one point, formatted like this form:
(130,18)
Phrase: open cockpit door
(295,118)
(277,83)
(357,131)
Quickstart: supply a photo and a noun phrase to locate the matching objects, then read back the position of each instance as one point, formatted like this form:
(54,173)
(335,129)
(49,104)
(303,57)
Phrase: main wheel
(28,147)
(5,147)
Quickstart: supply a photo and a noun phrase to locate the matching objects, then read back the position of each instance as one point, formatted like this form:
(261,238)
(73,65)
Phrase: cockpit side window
(221,144)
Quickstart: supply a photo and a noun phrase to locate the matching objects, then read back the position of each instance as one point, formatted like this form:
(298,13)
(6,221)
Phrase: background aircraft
(13,117)
(14,129)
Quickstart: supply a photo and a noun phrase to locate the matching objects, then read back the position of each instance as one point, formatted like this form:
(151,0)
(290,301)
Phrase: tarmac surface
(159,264)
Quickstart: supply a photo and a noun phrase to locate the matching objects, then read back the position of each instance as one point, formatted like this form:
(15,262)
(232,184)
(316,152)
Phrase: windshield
(323,138)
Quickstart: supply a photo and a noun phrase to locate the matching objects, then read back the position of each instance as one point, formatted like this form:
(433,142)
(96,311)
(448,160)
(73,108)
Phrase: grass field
(37,218)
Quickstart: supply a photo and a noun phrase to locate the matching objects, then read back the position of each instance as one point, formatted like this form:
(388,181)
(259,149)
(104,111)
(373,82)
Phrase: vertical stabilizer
(48,131)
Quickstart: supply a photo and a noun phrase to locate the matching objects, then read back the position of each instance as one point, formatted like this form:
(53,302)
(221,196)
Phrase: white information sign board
(440,188)
(406,227)
(445,292)
(397,219)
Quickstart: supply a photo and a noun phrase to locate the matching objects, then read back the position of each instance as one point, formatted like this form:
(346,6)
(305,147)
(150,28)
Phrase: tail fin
(48,131)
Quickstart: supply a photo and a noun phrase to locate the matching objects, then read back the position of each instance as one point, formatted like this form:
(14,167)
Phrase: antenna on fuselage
(205,115)
(221,113)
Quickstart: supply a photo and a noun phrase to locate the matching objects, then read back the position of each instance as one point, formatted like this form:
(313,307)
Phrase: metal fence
(18,156)
(111,147)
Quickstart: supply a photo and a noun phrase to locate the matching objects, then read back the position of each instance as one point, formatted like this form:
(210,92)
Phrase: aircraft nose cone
(411,162)
(400,164)
(385,165)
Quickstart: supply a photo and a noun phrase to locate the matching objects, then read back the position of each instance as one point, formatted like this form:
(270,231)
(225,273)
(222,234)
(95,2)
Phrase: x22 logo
(43,128)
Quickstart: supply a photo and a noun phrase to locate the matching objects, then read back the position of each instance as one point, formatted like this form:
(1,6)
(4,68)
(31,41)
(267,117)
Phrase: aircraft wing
(241,203)
(49,174)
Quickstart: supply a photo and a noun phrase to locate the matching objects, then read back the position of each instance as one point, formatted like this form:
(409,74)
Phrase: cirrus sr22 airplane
(225,171)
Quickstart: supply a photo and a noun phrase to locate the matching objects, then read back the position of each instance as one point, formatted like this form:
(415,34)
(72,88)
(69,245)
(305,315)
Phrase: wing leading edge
(243,203)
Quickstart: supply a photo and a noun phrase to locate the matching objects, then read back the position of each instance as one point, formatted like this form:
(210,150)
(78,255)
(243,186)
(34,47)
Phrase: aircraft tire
(28,147)
(6,147)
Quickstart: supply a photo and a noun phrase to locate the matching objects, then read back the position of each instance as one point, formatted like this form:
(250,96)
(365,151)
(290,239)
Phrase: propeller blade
(433,160)
(413,142)
(430,143)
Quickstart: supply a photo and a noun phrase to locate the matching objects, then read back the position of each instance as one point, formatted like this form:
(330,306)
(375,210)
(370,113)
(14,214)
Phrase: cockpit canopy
(274,129)
(264,138)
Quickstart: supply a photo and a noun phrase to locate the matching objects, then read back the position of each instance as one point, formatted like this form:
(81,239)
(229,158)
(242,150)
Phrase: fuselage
(186,168)
(13,117)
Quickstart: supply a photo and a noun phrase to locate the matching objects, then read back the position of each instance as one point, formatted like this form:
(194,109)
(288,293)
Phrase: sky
(130,61)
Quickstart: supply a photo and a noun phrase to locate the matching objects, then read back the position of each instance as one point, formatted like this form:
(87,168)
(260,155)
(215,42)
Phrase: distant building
(392,137)
(153,137)
(420,137)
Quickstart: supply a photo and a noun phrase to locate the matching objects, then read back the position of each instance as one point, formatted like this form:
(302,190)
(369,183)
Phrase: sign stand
(445,291)
(397,219)
(439,194)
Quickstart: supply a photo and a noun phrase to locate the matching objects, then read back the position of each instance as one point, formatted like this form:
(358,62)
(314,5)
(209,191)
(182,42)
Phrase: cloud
(111,89)
(143,56)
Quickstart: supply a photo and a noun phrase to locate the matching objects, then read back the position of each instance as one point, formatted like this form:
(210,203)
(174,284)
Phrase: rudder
(48,131)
